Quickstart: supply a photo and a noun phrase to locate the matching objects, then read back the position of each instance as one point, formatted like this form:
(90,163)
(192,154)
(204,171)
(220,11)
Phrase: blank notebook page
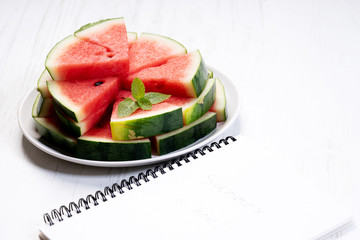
(235,192)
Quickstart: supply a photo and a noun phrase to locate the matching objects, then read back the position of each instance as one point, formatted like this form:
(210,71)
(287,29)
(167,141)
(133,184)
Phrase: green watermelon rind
(55,135)
(210,74)
(76,129)
(202,104)
(184,136)
(42,107)
(201,75)
(36,109)
(96,148)
(52,133)
(59,105)
(90,25)
(219,105)
(132,36)
(147,126)
(41,84)
(65,110)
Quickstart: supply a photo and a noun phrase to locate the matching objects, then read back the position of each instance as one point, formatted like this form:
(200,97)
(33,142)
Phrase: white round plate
(27,125)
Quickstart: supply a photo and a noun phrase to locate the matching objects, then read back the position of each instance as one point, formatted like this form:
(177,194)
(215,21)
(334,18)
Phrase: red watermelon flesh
(94,118)
(81,98)
(102,128)
(180,101)
(110,33)
(151,50)
(174,77)
(122,94)
(100,131)
(75,59)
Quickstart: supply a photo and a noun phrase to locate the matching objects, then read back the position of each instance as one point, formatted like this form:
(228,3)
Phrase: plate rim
(230,87)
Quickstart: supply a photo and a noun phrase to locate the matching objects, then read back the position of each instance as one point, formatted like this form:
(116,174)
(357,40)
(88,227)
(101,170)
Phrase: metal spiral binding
(93,200)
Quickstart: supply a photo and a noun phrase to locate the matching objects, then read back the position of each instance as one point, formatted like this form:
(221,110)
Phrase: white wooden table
(297,64)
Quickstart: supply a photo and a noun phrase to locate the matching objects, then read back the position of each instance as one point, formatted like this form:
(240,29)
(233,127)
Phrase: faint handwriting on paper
(203,214)
(221,186)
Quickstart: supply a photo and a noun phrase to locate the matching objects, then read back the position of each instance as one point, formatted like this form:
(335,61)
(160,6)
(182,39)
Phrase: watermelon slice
(51,129)
(162,118)
(151,50)
(184,136)
(75,59)
(219,105)
(79,99)
(77,129)
(110,34)
(97,144)
(41,84)
(42,107)
(194,108)
(181,76)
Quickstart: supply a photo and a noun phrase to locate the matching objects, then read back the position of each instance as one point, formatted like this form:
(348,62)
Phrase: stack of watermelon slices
(90,72)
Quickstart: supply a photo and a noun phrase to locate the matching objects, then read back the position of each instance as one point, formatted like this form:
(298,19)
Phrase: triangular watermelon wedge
(41,84)
(183,76)
(77,129)
(75,59)
(219,105)
(97,144)
(97,49)
(194,108)
(112,35)
(79,99)
(51,129)
(162,118)
(184,136)
(42,107)
(151,50)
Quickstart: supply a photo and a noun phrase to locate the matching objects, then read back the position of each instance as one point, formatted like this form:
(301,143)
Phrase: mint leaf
(142,100)
(155,97)
(144,103)
(127,107)
(137,88)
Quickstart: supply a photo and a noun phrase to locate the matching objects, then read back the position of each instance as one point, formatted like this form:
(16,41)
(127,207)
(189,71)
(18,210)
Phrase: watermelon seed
(98,83)
(110,55)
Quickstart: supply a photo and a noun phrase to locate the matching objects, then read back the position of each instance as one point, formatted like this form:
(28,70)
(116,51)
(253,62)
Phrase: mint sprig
(142,100)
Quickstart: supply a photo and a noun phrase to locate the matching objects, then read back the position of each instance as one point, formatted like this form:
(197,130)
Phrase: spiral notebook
(227,190)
